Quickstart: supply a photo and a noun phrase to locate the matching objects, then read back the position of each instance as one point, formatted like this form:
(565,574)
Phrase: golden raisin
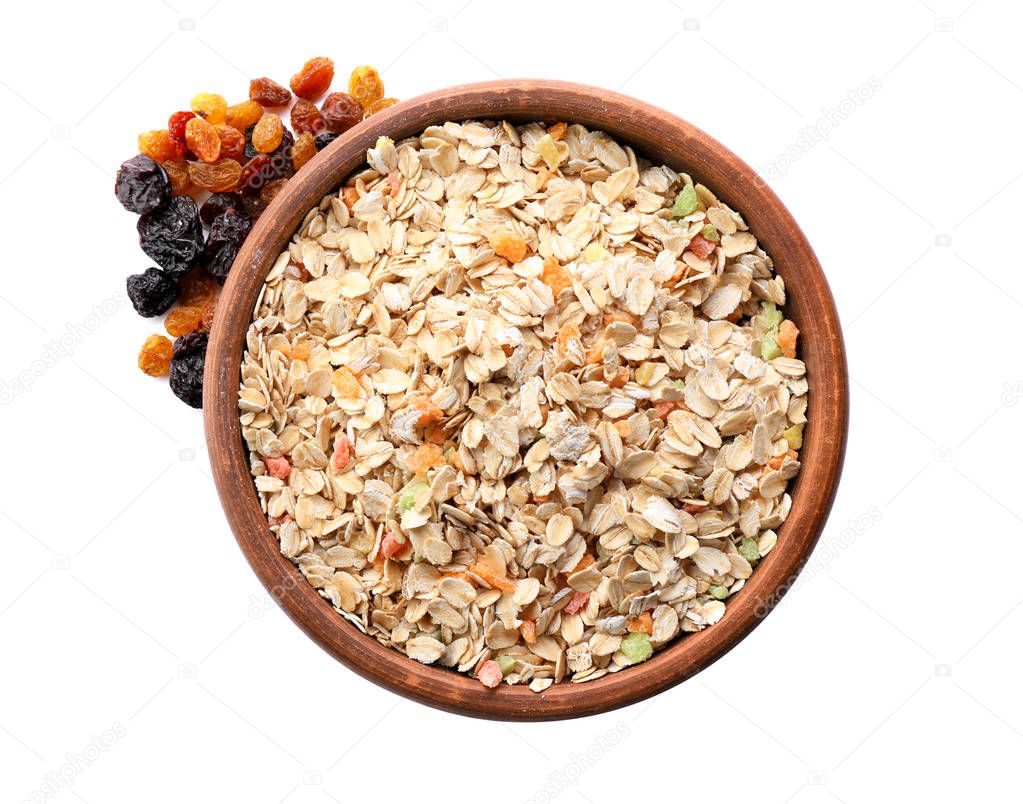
(303,150)
(155,356)
(202,139)
(365,85)
(218,177)
(211,107)
(314,78)
(378,106)
(232,142)
(182,320)
(207,315)
(508,245)
(267,134)
(197,288)
(267,92)
(177,172)
(160,145)
(244,114)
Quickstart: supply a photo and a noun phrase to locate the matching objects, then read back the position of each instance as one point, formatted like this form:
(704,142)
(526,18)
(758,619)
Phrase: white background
(891,673)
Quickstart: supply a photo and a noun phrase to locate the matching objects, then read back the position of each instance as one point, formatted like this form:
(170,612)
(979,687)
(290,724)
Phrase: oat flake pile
(522,404)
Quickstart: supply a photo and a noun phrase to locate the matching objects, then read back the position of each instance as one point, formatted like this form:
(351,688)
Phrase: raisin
(202,139)
(160,145)
(208,311)
(172,236)
(186,367)
(255,174)
(176,124)
(232,142)
(155,356)
(270,190)
(253,205)
(340,111)
(244,114)
(306,117)
(216,205)
(182,320)
(197,288)
(365,85)
(219,177)
(313,79)
(142,185)
(152,292)
(267,134)
(227,233)
(250,151)
(325,139)
(177,172)
(267,92)
(213,108)
(380,105)
(303,150)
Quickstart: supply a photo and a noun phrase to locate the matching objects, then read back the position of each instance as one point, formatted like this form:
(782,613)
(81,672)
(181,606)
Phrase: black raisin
(142,185)
(325,139)
(152,292)
(186,367)
(227,233)
(217,204)
(250,150)
(172,236)
(253,205)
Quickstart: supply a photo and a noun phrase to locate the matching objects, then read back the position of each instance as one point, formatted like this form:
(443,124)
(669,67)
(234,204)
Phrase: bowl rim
(657,135)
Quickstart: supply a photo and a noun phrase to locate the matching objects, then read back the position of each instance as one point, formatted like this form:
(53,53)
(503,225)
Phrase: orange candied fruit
(565,334)
(644,624)
(426,457)
(350,196)
(555,276)
(788,334)
(430,412)
(510,246)
(347,385)
(558,131)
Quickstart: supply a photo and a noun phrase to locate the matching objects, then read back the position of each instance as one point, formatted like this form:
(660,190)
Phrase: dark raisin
(270,190)
(217,204)
(152,292)
(227,233)
(172,236)
(306,117)
(325,139)
(255,174)
(340,111)
(142,185)
(253,205)
(186,367)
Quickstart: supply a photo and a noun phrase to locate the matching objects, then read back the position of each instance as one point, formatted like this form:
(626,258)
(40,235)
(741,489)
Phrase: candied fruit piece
(365,85)
(278,467)
(314,78)
(232,142)
(548,150)
(379,106)
(490,674)
(160,145)
(186,367)
(227,233)
(172,235)
(305,117)
(342,452)
(555,276)
(710,233)
(577,602)
(558,131)
(636,647)
(176,124)
(340,111)
(508,245)
(749,550)
(244,114)
(177,172)
(425,457)
(347,385)
(506,663)
(151,292)
(644,623)
(794,435)
(267,92)
(769,348)
(155,356)
(208,311)
(391,547)
(303,150)
(701,246)
(218,177)
(202,139)
(686,202)
(197,288)
(267,134)
(142,185)
(211,107)
(788,334)
(182,321)
(217,204)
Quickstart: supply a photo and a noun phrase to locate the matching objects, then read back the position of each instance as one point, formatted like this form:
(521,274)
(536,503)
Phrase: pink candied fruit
(577,602)
(701,246)
(342,452)
(279,520)
(390,546)
(490,674)
(278,467)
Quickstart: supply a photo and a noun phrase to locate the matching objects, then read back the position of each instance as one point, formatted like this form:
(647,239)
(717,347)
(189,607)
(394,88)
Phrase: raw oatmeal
(522,404)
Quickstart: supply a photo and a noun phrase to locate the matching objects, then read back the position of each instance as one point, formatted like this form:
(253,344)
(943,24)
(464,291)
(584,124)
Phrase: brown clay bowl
(661,137)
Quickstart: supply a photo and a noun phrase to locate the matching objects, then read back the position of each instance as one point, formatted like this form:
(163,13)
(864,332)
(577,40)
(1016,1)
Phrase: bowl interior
(662,138)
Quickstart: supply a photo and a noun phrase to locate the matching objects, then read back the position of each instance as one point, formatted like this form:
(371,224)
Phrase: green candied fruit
(748,550)
(718,591)
(794,435)
(637,647)
(686,202)
(772,316)
(710,233)
(506,663)
(408,496)
(769,348)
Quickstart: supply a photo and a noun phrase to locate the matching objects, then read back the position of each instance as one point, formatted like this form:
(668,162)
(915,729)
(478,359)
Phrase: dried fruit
(211,107)
(172,235)
(305,117)
(794,435)
(769,348)
(202,139)
(244,114)
(506,663)
(508,245)
(160,145)
(270,190)
(176,124)
(340,111)
(155,356)
(142,185)
(182,320)
(186,367)
(325,139)
(303,150)
(268,132)
(490,674)
(555,276)
(151,292)
(253,206)
(278,467)
(748,550)
(636,647)
(267,92)
(314,78)
(221,176)
(197,288)
(391,547)
(365,85)
(208,311)
(232,142)
(788,334)
(227,233)
(701,246)
(686,202)
(379,106)
(216,205)
(177,172)
(342,452)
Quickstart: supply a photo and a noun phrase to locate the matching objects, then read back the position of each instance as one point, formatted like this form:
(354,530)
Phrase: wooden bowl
(663,138)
